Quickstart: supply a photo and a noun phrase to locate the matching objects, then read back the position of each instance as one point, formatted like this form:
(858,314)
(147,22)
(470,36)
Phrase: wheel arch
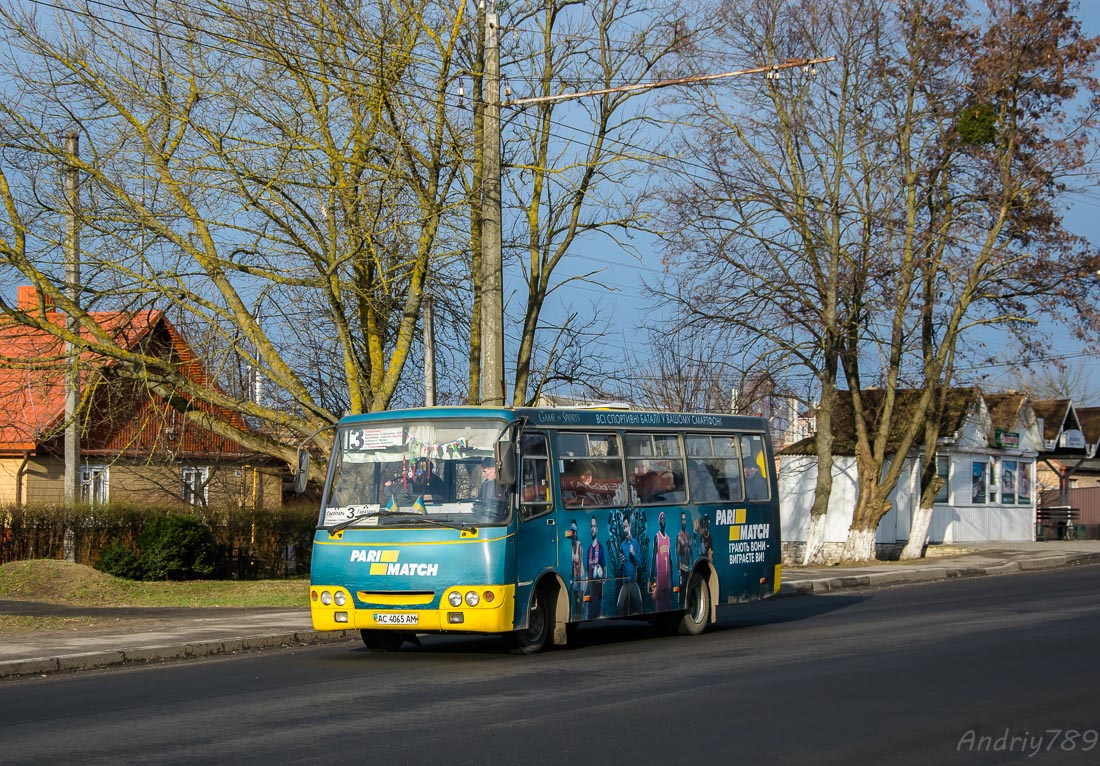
(706,570)
(557,595)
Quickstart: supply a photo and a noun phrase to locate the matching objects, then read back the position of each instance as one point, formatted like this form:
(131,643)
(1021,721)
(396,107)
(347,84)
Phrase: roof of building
(1004,409)
(1089,418)
(1054,413)
(957,406)
(33,370)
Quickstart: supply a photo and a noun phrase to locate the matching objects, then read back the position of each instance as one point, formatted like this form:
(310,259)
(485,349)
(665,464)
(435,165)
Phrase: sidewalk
(151,635)
(943,563)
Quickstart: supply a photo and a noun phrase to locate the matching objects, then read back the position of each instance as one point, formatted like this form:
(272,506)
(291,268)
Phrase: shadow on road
(626,632)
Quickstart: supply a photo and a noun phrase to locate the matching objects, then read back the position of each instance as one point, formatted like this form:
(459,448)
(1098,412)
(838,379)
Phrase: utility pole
(429,352)
(72,283)
(492,260)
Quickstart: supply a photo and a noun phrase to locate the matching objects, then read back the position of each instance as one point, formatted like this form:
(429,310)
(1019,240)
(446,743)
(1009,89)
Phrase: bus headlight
(455,598)
(326,598)
(471,598)
(340,598)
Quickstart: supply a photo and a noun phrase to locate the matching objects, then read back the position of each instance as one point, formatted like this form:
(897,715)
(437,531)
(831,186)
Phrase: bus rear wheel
(382,640)
(533,638)
(697,600)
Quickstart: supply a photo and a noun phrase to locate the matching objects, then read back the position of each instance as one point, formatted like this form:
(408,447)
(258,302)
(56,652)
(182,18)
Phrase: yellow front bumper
(401,613)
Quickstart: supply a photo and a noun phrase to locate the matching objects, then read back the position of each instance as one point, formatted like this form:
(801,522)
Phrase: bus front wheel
(382,640)
(697,600)
(533,638)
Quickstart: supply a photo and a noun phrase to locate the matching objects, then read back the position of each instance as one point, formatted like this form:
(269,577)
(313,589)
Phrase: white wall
(950,524)
(797,478)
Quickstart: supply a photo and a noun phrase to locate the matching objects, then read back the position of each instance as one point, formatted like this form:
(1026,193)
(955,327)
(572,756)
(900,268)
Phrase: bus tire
(694,619)
(533,638)
(382,640)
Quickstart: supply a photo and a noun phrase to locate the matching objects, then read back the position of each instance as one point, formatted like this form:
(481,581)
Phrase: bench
(1056,522)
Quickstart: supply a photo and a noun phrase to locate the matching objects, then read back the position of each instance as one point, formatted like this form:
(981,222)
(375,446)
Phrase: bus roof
(566,417)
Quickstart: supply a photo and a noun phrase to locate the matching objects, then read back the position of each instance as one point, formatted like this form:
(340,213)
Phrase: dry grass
(19,624)
(61,582)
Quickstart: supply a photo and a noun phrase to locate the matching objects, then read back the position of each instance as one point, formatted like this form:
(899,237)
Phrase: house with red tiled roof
(134,446)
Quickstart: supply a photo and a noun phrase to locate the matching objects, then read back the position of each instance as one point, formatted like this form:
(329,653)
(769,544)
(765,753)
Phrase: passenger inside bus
(756,482)
(701,482)
(756,486)
(579,489)
(658,484)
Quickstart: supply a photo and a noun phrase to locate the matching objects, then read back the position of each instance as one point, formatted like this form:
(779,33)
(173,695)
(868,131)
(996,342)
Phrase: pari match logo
(748,542)
(385,562)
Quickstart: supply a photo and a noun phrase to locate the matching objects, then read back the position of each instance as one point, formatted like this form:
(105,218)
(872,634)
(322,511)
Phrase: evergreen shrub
(179,547)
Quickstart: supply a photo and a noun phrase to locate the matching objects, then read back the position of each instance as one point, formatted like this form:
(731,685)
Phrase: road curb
(931,574)
(190,650)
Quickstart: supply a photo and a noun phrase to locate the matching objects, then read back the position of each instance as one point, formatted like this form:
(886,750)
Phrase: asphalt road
(985,671)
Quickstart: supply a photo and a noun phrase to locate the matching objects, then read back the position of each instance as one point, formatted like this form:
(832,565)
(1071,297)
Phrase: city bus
(527,522)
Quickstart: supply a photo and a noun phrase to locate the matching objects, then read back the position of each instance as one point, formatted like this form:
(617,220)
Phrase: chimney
(27,299)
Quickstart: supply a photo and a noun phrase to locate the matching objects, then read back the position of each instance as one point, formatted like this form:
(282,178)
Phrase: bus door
(537,532)
(656,473)
(594,500)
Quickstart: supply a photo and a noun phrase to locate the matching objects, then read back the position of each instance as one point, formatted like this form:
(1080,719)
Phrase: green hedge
(250,544)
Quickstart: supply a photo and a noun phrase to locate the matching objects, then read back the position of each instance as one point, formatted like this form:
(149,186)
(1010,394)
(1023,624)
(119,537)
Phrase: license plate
(396,618)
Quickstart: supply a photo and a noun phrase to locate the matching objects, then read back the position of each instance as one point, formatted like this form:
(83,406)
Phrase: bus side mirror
(301,477)
(506,462)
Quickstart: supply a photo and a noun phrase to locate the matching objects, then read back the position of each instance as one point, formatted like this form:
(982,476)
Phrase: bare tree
(1060,380)
(282,174)
(863,220)
(759,245)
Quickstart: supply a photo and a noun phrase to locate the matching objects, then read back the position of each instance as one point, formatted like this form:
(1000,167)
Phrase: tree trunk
(860,545)
(918,532)
(870,508)
(814,552)
(930,481)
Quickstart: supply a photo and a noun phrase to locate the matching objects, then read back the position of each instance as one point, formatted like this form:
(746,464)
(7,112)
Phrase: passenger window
(655,465)
(757,485)
(590,470)
(714,472)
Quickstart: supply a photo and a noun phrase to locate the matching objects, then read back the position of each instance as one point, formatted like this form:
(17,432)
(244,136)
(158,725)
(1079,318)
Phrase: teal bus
(527,522)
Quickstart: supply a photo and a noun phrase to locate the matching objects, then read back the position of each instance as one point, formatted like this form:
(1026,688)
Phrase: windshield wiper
(445,524)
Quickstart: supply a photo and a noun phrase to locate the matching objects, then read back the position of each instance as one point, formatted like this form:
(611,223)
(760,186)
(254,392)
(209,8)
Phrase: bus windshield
(411,472)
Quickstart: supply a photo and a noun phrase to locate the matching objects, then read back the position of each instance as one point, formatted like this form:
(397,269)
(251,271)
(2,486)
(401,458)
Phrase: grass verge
(61,582)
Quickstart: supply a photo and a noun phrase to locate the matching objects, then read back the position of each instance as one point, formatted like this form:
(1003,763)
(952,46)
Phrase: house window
(979,479)
(1008,481)
(943,472)
(194,481)
(1023,483)
(94,484)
